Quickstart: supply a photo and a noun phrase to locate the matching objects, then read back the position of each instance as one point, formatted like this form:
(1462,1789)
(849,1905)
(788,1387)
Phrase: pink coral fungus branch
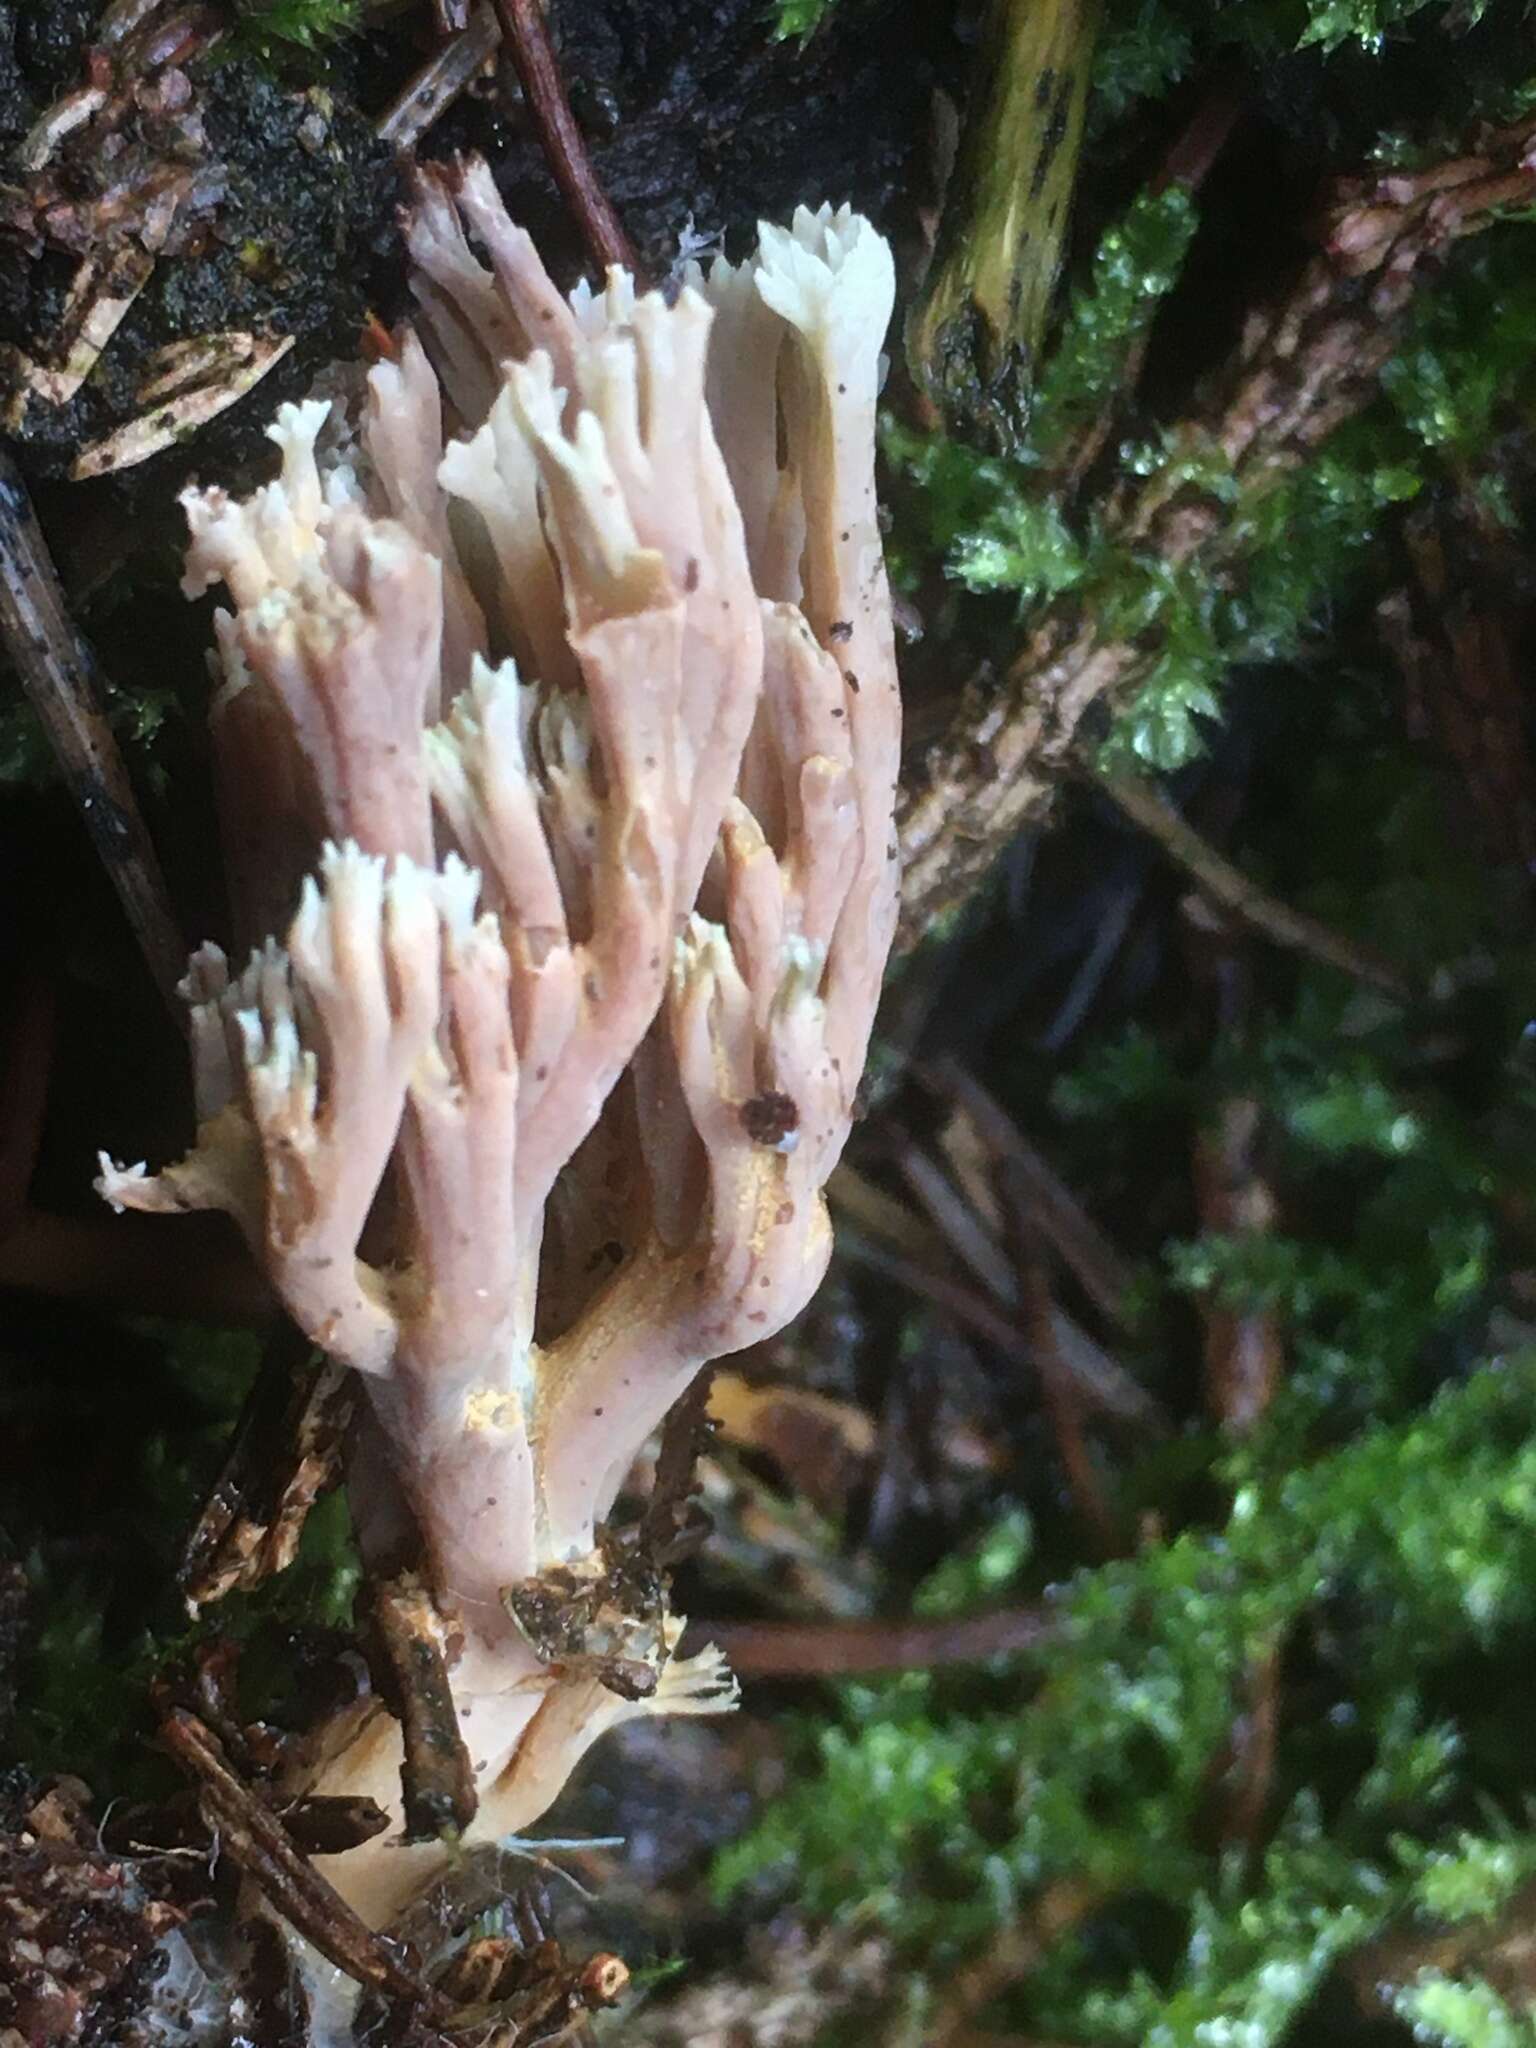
(583,731)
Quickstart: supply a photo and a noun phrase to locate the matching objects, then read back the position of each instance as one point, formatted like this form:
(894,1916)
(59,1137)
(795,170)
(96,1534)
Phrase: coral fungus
(565,760)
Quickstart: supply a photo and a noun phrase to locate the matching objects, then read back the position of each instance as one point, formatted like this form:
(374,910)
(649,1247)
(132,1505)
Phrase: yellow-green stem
(973,337)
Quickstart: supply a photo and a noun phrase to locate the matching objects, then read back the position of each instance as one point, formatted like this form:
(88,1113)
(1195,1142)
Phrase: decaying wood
(187,383)
(674,1524)
(79,1926)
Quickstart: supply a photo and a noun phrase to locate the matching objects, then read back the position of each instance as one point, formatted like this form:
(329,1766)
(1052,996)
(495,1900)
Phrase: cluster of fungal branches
(562,759)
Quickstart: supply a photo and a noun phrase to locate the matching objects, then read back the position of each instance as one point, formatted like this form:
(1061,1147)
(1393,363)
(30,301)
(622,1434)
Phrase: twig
(58,673)
(328,1824)
(252,1836)
(965,1231)
(674,1524)
(1244,1357)
(1228,887)
(1106,1385)
(973,335)
(286,1453)
(1244,1350)
(1204,136)
(428,96)
(835,1649)
(533,53)
(436,1775)
(1071,1232)
(1063,1399)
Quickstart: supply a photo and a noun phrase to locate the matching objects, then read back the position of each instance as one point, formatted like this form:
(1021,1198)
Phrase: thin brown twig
(911,1250)
(1244,1358)
(836,1649)
(285,1454)
(1204,136)
(1063,1400)
(1231,890)
(965,1230)
(1099,1269)
(532,51)
(58,673)
(1105,1384)
(1244,1348)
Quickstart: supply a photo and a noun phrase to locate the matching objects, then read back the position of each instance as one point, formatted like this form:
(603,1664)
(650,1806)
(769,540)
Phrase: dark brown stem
(1203,137)
(58,673)
(1244,1370)
(533,53)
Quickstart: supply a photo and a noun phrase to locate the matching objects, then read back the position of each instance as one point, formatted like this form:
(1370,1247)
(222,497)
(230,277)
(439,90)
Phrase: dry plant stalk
(593,720)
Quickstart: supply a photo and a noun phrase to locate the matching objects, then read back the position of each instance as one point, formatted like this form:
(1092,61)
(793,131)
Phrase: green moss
(1465,2015)
(799,18)
(263,27)
(1145,48)
(1472,1878)
(1136,264)
(974,1573)
(949,1802)
(1369,22)
(1289,542)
